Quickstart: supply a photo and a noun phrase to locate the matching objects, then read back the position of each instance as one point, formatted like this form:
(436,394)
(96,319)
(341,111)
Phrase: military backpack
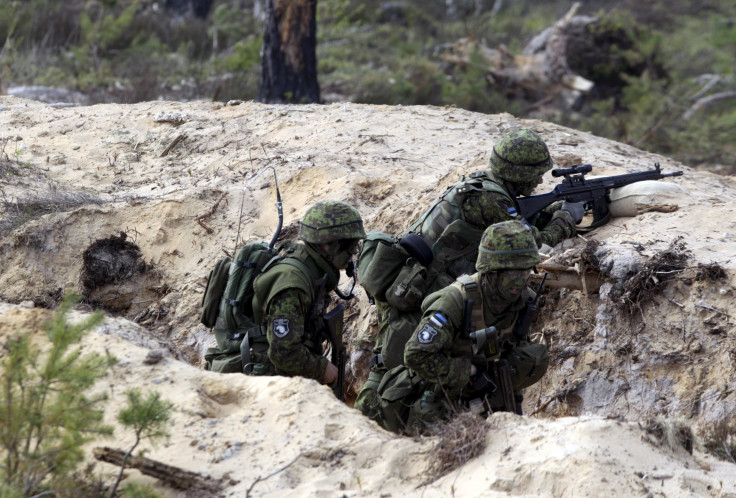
(227,305)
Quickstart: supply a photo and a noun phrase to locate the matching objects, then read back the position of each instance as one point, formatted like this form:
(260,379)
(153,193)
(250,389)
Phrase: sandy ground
(101,170)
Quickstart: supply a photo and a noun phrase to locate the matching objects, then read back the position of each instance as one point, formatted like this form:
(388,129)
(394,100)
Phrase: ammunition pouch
(380,259)
(217,361)
(409,288)
(399,388)
(529,363)
(401,325)
(368,401)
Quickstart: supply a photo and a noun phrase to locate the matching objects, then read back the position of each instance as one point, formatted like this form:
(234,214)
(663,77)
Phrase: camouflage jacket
(439,350)
(481,201)
(283,302)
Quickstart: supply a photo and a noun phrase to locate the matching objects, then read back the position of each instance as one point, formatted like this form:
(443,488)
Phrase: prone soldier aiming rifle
(593,193)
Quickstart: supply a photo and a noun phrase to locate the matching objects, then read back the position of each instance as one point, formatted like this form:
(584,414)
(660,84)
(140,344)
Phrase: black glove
(576,210)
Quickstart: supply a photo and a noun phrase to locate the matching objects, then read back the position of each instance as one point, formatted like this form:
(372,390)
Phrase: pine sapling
(147,417)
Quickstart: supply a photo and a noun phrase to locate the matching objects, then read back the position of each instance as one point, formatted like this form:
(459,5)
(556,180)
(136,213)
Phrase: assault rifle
(497,391)
(531,308)
(593,192)
(331,329)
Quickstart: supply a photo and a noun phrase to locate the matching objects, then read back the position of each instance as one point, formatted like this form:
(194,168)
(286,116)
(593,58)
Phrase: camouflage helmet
(508,245)
(328,221)
(520,156)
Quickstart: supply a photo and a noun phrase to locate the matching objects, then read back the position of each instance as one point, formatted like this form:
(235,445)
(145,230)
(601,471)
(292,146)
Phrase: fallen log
(173,476)
(569,277)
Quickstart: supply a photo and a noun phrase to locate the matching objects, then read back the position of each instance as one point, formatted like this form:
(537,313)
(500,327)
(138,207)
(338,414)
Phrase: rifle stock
(593,192)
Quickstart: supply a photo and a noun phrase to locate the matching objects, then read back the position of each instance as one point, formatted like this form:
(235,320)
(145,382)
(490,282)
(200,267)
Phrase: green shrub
(148,417)
(138,490)
(108,32)
(46,417)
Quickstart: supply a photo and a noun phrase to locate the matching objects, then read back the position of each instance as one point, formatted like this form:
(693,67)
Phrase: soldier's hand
(330,375)
(479,381)
(576,210)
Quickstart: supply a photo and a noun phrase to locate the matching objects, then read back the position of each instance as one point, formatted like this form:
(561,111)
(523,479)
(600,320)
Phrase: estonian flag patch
(438,320)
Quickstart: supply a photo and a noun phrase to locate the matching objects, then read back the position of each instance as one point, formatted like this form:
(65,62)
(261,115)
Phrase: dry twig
(209,213)
(280,469)
(172,144)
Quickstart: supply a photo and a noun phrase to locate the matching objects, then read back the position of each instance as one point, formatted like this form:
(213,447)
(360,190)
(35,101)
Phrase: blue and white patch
(426,334)
(512,212)
(280,327)
(438,320)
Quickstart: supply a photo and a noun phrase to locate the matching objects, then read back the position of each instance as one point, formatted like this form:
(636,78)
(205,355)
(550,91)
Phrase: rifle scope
(585,168)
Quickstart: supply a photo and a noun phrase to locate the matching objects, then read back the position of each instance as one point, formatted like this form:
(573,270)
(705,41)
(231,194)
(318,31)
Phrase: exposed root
(671,433)
(109,260)
(654,275)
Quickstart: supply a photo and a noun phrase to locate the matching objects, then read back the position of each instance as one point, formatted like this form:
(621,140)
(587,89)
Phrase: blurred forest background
(662,73)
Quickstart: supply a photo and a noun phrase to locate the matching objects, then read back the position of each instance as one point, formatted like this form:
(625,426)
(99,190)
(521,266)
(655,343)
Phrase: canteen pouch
(398,390)
(409,288)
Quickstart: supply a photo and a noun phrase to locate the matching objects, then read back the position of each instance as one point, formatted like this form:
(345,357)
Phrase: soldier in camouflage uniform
(441,351)
(451,229)
(518,162)
(283,298)
(454,359)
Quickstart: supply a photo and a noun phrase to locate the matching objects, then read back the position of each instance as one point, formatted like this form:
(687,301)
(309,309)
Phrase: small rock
(170,117)
(27,304)
(234,102)
(153,357)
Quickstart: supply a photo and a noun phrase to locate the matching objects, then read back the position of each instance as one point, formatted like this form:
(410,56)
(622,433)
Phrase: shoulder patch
(280,327)
(426,334)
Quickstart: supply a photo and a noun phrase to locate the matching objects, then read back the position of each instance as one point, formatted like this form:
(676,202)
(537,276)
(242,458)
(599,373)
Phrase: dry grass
(25,209)
(720,440)
(461,439)
(673,434)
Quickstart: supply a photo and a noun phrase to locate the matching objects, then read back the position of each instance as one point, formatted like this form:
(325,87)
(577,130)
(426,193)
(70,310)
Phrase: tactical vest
(469,288)
(528,361)
(448,207)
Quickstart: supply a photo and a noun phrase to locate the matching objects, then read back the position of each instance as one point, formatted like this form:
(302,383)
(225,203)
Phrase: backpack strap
(420,221)
(470,290)
(296,263)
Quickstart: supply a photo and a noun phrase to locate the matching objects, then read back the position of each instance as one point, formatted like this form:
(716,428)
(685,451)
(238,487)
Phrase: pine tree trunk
(289,53)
